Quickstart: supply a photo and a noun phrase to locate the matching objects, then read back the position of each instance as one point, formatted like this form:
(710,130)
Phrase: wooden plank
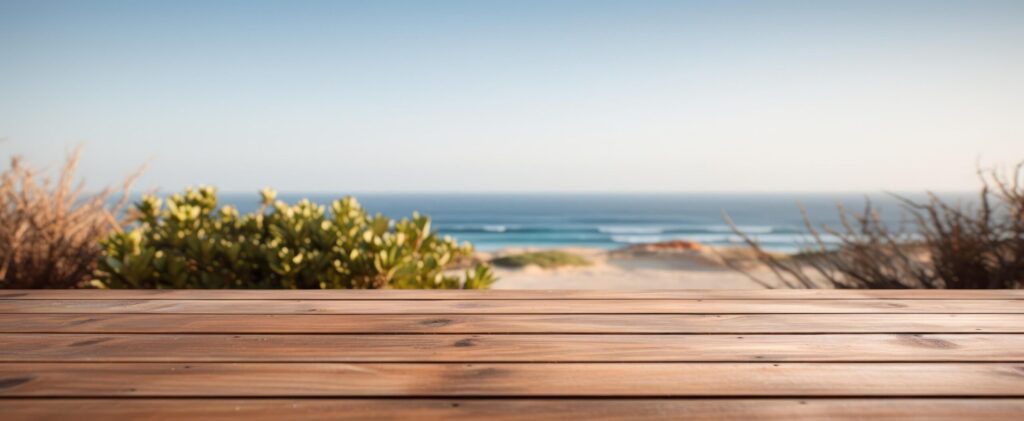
(514,409)
(513,380)
(720,294)
(512,323)
(509,348)
(666,357)
(511,306)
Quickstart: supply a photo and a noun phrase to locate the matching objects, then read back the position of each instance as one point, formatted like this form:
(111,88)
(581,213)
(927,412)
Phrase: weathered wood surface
(485,294)
(510,348)
(448,306)
(513,379)
(518,409)
(807,354)
(511,323)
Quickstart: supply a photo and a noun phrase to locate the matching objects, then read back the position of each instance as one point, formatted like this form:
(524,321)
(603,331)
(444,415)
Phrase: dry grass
(50,232)
(953,245)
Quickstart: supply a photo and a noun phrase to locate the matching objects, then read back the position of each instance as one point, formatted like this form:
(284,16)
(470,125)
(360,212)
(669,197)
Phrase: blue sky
(517,95)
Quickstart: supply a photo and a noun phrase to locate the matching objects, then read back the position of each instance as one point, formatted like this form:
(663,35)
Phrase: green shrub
(190,243)
(545,259)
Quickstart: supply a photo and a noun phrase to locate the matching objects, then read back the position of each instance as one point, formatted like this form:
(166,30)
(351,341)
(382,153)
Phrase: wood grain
(512,323)
(722,294)
(508,294)
(511,379)
(514,409)
(512,306)
(796,354)
(515,348)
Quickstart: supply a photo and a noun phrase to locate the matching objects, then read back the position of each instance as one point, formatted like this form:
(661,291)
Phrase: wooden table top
(715,354)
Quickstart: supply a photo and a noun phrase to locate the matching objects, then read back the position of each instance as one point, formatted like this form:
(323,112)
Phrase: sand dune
(624,269)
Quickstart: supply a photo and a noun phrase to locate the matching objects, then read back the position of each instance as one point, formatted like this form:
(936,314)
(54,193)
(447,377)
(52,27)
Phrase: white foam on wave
(630,230)
(495,228)
(746,229)
(786,238)
(637,239)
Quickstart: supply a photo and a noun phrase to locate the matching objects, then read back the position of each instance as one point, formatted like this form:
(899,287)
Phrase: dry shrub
(952,245)
(49,233)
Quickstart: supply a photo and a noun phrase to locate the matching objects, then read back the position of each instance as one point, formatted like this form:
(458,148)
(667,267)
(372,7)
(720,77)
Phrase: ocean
(609,221)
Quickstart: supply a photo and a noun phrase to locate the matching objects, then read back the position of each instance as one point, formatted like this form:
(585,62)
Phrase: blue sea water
(496,221)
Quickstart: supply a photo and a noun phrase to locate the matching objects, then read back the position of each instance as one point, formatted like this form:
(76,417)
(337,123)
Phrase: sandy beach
(629,269)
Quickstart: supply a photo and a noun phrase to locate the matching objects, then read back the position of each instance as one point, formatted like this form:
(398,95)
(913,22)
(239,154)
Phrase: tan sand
(630,270)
